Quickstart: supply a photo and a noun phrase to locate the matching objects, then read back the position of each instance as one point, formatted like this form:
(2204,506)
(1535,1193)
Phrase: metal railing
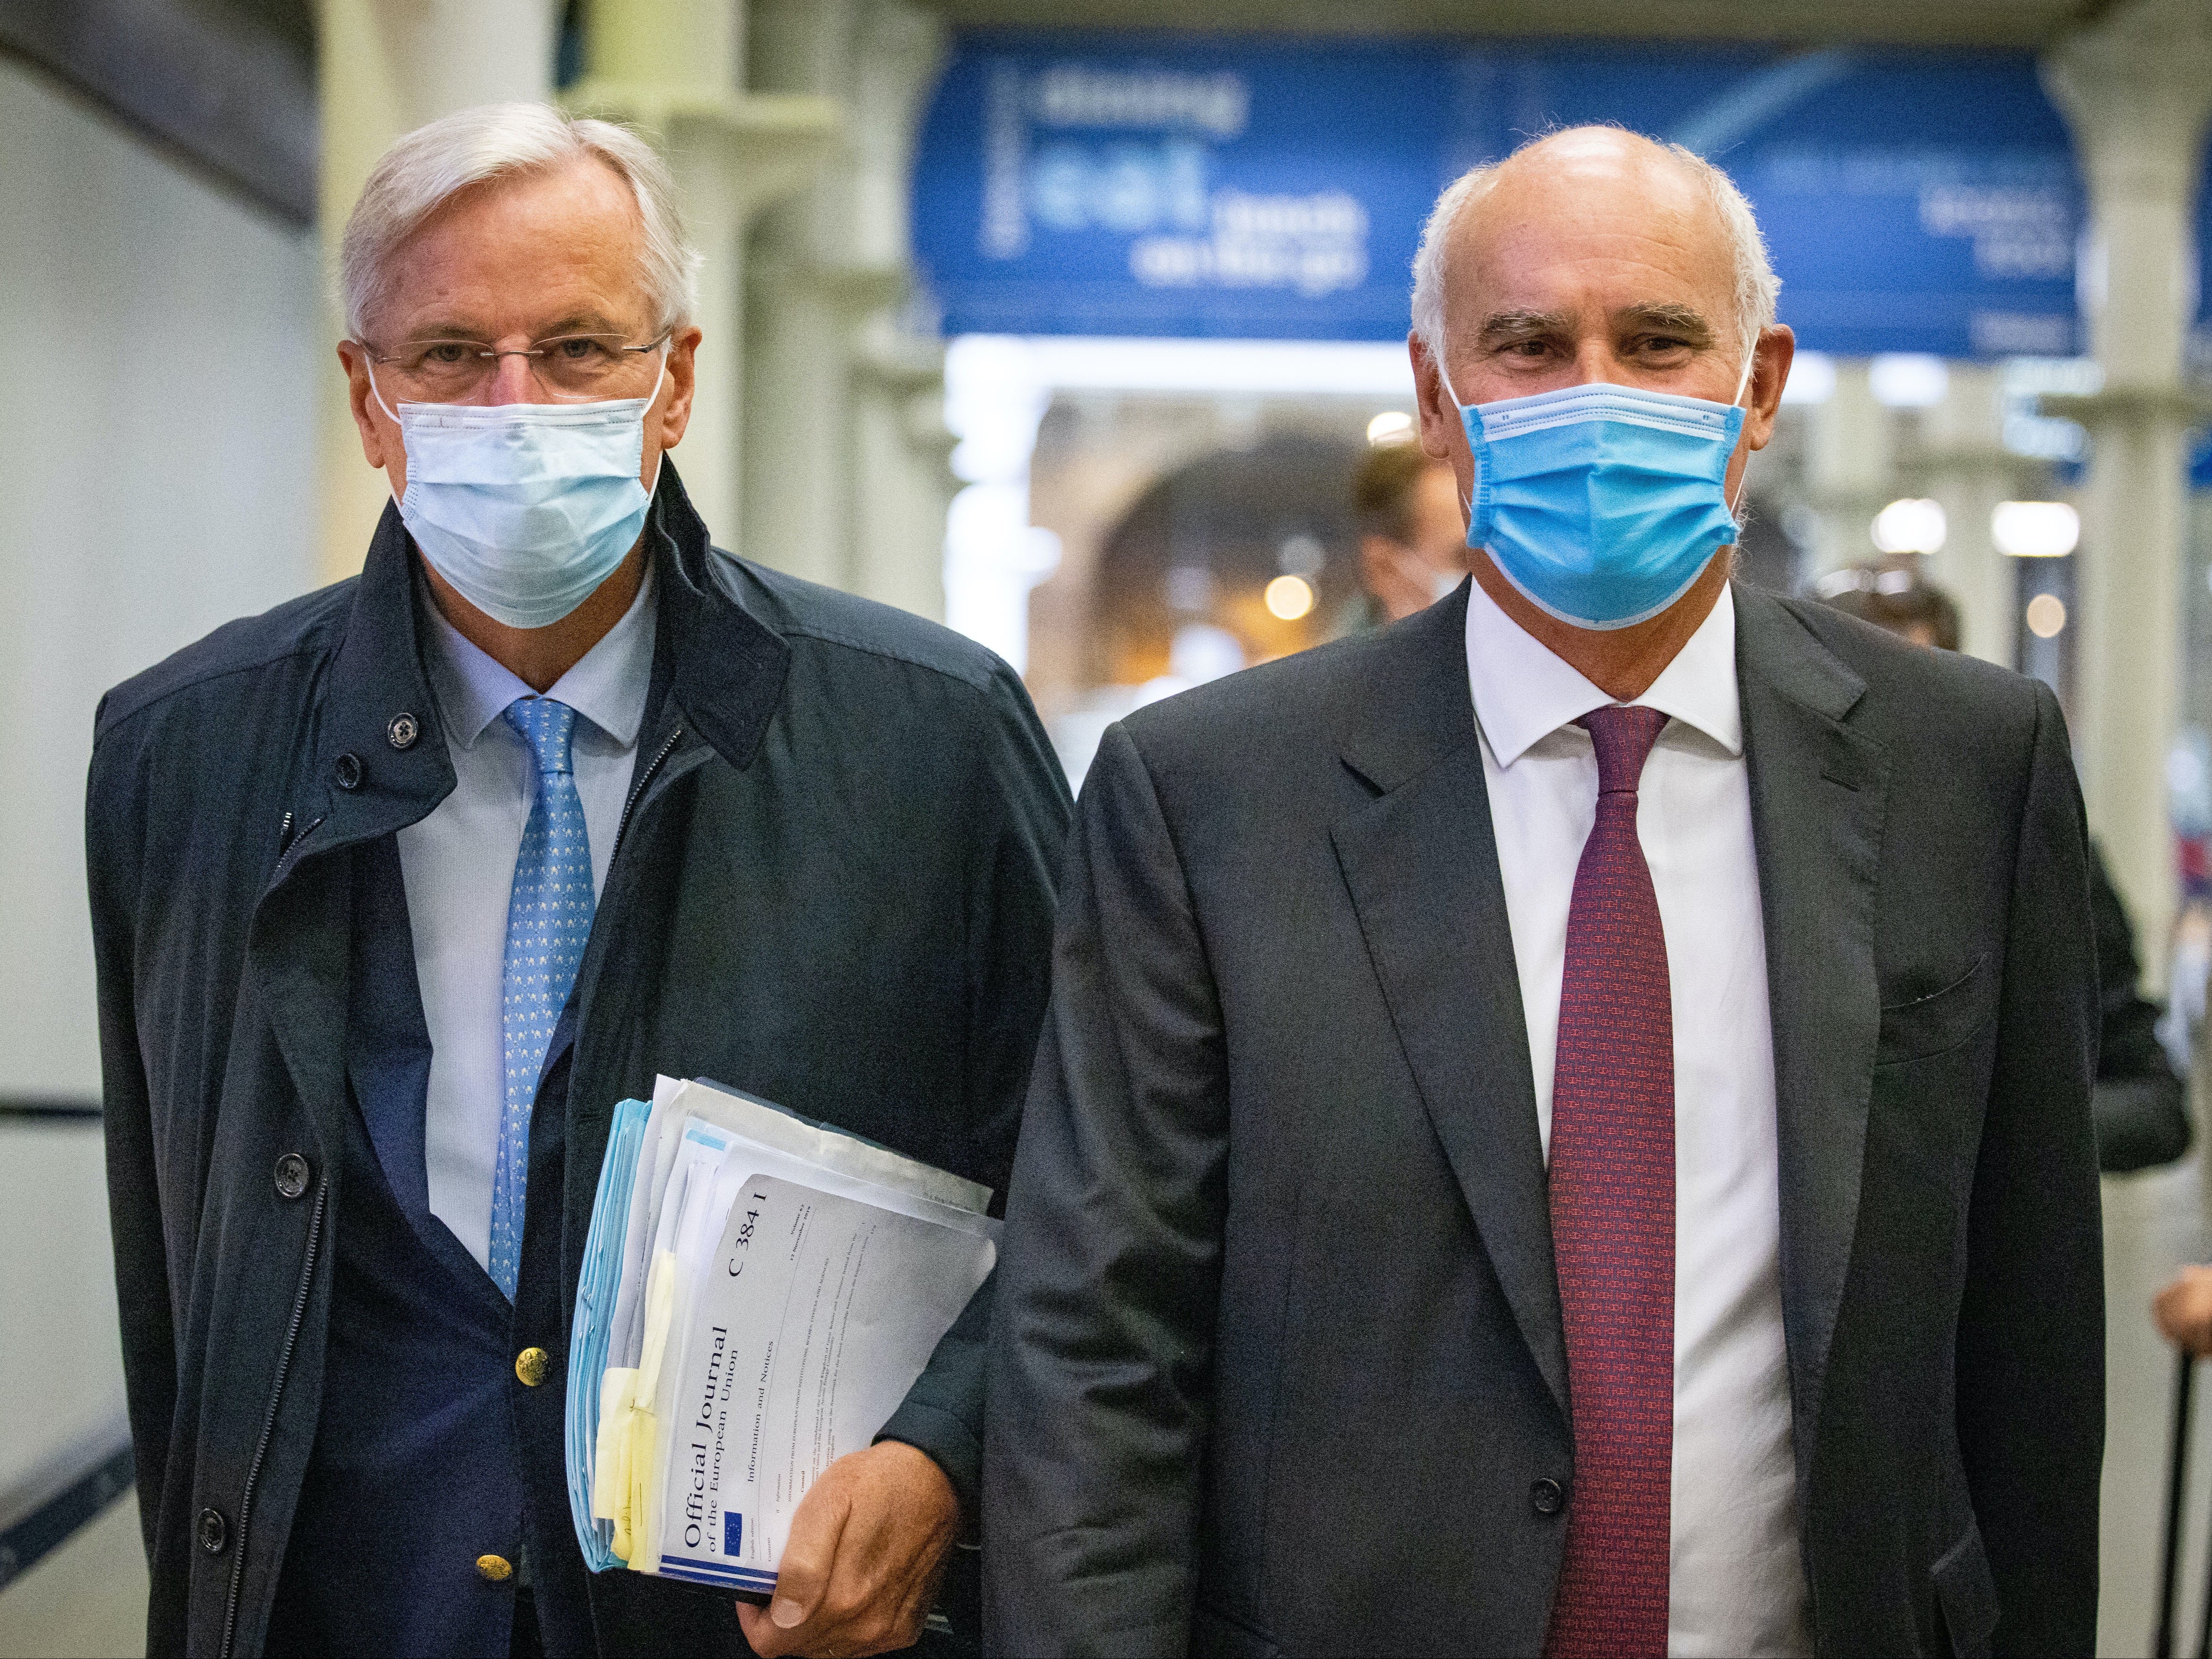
(46,1521)
(47,1106)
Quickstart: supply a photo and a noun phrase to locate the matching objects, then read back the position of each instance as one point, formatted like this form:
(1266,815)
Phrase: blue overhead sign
(1088,183)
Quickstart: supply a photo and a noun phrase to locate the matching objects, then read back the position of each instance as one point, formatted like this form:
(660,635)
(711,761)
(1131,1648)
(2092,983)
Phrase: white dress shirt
(459,864)
(1737,1585)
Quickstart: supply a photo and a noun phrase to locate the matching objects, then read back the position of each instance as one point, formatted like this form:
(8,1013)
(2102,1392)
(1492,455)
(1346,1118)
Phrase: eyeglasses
(567,367)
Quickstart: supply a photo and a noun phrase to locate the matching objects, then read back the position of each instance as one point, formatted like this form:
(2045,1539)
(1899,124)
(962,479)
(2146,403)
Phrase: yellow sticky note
(616,1384)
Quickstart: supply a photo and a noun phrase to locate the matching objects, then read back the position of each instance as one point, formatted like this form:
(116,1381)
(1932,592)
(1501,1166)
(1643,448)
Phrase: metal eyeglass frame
(536,349)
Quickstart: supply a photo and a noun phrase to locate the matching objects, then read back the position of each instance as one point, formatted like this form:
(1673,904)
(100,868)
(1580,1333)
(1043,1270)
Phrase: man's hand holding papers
(866,1551)
(758,1294)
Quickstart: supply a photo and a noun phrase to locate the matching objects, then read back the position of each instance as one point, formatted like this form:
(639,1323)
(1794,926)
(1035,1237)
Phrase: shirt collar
(1523,693)
(608,686)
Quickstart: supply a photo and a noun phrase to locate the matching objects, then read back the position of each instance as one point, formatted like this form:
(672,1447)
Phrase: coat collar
(378,759)
(1421,709)
(374,758)
(726,666)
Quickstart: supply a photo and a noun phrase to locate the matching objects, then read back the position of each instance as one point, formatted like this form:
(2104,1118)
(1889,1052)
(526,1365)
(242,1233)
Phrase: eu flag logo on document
(733,1531)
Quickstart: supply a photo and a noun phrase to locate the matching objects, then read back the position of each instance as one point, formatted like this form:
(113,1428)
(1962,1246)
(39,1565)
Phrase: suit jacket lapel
(1421,864)
(1819,798)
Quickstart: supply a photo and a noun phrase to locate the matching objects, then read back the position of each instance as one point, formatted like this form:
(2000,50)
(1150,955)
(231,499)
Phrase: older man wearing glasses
(398,889)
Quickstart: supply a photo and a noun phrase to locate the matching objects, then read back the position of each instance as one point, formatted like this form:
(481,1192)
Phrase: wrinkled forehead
(1603,207)
(539,251)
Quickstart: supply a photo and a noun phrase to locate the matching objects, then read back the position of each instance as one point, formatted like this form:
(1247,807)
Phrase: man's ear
(1770,373)
(361,397)
(1439,416)
(683,381)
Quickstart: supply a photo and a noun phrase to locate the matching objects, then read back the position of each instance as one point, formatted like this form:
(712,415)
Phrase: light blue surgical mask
(526,509)
(1601,503)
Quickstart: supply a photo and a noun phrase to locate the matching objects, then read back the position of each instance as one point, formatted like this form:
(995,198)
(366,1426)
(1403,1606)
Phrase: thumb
(803,1577)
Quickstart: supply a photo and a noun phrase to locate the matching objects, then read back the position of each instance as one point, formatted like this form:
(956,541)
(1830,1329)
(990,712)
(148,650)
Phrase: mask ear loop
(377,393)
(1750,362)
(1444,374)
(373,390)
(662,454)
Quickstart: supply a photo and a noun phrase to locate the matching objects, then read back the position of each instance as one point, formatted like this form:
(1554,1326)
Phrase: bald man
(1563,1124)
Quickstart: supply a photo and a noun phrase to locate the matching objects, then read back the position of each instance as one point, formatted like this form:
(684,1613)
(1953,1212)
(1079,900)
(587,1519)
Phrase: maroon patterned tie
(1613,1222)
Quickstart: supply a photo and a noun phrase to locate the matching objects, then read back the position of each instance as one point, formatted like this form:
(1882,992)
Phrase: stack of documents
(758,1294)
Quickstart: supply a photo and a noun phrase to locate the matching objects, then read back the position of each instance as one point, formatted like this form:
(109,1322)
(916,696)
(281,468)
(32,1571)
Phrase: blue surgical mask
(526,509)
(1601,503)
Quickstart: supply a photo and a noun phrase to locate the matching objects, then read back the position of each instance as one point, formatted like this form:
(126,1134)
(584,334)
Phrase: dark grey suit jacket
(1278,1364)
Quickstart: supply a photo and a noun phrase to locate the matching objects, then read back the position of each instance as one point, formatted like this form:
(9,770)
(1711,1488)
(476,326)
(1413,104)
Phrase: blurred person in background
(2183,1311)
(2139,1104)
(1413,539)
(1893,596)
(1563,1124)
(398,889)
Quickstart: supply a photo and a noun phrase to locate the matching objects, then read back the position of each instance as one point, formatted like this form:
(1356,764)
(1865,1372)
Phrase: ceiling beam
(220,85)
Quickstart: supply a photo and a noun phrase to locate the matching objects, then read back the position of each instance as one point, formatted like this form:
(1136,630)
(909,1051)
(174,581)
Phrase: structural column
(1851,475)
(2137,88)
(845,475)
(386,67)
(1969,470)
(902,482)
(677,69)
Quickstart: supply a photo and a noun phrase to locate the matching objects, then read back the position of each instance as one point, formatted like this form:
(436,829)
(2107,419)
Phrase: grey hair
(433,163)
(1756,284)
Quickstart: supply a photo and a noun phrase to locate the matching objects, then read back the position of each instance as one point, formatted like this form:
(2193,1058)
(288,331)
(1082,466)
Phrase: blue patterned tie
(548,917)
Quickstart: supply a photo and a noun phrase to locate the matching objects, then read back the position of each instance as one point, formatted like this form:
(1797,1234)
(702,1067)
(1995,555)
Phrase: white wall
(156,478)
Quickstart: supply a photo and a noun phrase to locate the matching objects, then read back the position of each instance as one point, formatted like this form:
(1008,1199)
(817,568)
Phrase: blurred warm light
(2046,615)
(1392,426)
(1908,379)
(2035,530)
(1290,597)
(1912,526)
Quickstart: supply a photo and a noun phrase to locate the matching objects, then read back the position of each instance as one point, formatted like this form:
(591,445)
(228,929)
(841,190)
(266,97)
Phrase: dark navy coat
(833,889)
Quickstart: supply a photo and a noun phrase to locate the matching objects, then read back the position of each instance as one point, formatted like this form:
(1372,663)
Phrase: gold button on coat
(494,1569)
(530,1365)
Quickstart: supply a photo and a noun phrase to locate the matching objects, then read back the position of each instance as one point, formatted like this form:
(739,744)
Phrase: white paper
(825,1149)
(819,1313)
(788,1279)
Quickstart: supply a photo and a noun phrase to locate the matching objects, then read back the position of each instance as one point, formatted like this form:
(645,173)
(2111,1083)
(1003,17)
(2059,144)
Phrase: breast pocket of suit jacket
(1939,1021)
